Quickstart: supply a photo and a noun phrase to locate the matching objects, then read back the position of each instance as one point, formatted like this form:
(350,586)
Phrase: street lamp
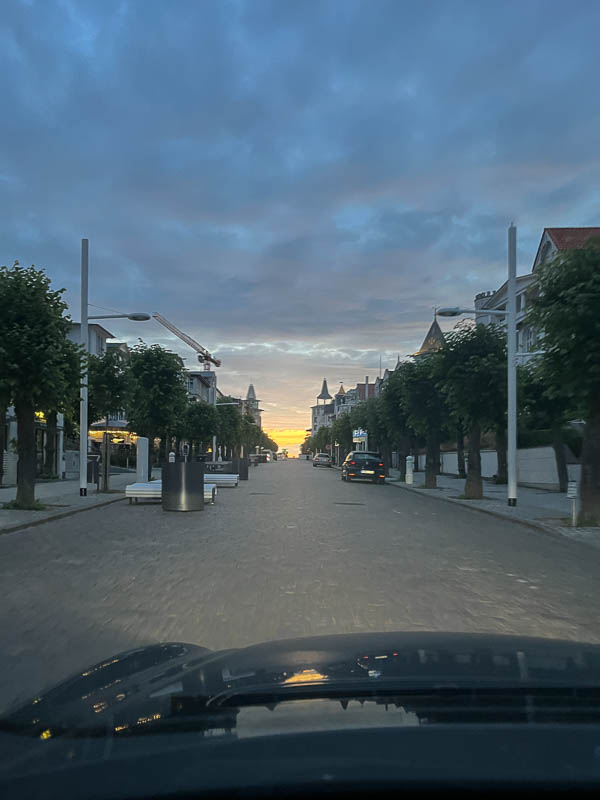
(136,316)
(511,337)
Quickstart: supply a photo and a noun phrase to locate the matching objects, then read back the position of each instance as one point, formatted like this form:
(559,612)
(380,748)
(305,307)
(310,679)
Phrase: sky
(294,183)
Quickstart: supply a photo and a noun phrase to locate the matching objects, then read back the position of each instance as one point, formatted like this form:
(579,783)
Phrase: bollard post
(410,464)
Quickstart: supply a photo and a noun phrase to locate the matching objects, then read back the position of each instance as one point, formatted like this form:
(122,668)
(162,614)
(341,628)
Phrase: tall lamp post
(511,340)
(137,316)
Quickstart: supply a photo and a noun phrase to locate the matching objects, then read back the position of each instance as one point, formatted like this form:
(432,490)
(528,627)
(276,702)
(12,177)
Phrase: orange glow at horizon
(286,437)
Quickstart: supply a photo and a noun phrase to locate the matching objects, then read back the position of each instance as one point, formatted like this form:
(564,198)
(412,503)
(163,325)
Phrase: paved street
(294,551)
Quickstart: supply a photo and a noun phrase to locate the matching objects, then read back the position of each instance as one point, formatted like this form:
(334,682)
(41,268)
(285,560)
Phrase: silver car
(322,460)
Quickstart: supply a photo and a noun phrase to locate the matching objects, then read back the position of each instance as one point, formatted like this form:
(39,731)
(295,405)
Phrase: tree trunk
(50,454)
(432,461)
(3,443)
(502,473)
(26,452)
(558,445)
(590,465)
(460,453)
(473,484)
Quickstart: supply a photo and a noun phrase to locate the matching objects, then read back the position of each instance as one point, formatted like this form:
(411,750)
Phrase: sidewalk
(61,499)
(535,507)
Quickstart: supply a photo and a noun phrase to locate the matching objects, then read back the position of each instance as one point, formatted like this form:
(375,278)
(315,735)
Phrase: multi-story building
(97,337)
(552,242)
(200,384)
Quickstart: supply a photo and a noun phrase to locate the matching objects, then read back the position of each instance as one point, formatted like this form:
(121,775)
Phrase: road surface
(294,551)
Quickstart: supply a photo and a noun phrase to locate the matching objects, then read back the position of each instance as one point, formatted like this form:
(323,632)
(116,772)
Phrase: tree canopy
(157,398)
(35,373)
(565,307)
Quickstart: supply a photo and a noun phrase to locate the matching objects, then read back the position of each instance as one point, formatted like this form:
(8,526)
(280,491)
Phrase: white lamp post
(511,338)
(137,316)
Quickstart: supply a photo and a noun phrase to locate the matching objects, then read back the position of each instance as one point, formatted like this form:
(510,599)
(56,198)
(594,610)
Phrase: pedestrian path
(61,499)
(535,507)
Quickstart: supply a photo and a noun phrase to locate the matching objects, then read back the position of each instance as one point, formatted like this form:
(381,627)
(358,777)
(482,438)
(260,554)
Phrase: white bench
(222,479)
(153,491)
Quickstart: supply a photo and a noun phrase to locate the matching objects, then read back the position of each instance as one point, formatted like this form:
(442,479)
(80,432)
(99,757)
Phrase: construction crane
(204,357)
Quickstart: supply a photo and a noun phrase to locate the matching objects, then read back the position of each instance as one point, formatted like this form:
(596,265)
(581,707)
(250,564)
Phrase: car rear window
(366,456)
(322,455)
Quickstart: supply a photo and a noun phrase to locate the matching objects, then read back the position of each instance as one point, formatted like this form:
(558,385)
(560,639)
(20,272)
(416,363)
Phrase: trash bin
(183,486)
(243,469)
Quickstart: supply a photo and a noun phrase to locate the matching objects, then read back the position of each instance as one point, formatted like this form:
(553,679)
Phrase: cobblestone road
(294,551)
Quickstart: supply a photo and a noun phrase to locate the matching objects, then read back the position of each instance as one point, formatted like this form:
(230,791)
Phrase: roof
(434,340)
(571,238)
(567,238)
(324,392)
(341,390)
(251,395)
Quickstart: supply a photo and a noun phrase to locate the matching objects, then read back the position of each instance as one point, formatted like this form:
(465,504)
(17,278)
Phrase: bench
(153,491)
(222,479)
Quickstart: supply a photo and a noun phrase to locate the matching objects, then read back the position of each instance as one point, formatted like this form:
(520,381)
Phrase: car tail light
(353,463)
(380,465)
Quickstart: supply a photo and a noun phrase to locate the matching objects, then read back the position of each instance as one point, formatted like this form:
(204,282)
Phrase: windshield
(299,337)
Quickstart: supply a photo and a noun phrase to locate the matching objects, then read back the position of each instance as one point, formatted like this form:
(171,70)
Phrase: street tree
(108,385)
(33,330)
(471,374)
(565,308)
(200,423)
(342,434)
(541,410)
(63,397)
(393,409)
(157,397)
(229,424)
(425,411)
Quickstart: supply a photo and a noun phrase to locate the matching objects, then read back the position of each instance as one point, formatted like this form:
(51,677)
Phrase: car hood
(173,684)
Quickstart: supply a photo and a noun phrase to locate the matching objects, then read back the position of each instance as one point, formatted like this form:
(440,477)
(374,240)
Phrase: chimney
(366,387)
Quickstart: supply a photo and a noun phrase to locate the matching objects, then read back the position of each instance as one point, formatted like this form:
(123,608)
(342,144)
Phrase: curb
(60,515)
(527,523)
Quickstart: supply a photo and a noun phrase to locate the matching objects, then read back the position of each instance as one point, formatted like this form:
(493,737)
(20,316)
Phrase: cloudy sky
(294,183)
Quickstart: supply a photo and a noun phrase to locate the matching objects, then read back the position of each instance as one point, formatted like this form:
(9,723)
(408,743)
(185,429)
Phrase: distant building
(199,383)
(251,405)
(433,341)
(97,337)
(323,414)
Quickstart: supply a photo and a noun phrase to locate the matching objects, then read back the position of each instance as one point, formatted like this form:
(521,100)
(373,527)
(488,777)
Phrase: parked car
(363,465)
(322,460)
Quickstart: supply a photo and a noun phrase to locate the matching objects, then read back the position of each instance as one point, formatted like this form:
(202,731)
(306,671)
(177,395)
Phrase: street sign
(327,447)
(572,490)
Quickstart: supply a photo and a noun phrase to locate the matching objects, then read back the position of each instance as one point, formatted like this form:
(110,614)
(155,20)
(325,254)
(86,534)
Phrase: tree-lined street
(294,551)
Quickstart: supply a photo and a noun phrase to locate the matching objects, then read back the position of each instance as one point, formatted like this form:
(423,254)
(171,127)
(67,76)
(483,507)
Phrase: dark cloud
(280,172)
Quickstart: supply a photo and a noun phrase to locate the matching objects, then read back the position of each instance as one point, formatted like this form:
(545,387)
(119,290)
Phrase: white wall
(536,466)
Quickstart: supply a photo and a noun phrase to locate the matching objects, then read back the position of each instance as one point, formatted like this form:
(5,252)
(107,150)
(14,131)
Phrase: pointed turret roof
(341,390)
(324,392)
(433,342)
(251,393)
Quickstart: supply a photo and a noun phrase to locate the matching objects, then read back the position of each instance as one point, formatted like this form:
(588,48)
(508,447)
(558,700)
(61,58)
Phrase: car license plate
(367,472)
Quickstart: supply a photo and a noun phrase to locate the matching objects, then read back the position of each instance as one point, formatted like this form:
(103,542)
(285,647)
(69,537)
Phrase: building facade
(553,242)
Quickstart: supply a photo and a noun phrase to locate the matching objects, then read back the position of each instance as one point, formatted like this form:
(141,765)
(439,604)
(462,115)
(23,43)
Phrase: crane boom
(203,354)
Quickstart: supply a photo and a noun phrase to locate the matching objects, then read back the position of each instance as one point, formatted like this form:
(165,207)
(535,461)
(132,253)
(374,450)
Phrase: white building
(97,337)
(552,242)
